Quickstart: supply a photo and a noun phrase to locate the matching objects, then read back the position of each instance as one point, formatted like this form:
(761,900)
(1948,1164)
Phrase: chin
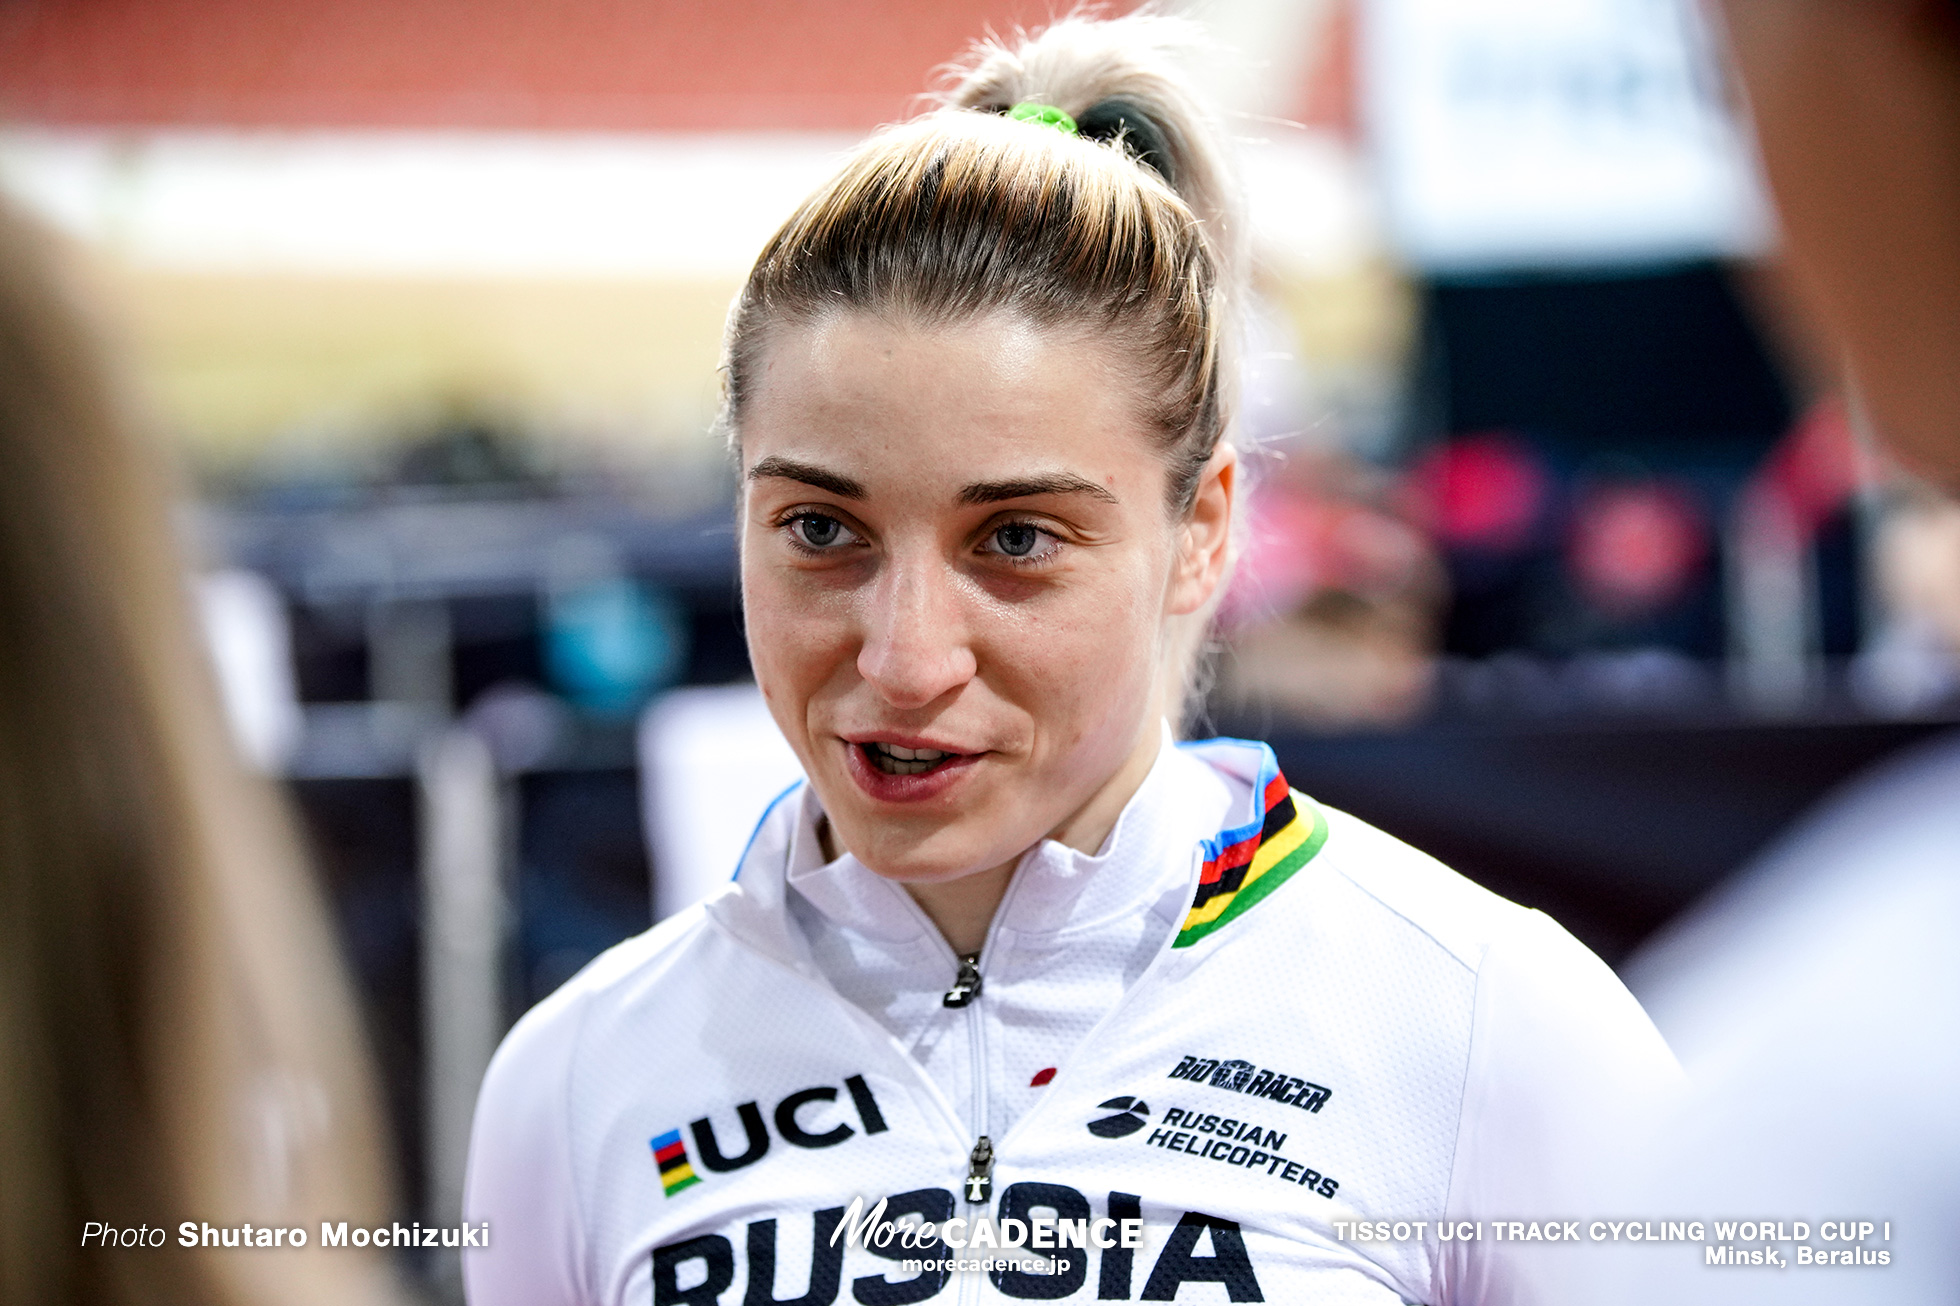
(920,850)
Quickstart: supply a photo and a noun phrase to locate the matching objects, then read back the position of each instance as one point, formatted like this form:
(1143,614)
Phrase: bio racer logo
(1243,1077)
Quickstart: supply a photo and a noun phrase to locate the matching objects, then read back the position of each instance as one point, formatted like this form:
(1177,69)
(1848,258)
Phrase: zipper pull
(980,1172)
(966,984)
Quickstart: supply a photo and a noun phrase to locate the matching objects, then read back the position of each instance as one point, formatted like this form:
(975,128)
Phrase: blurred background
(1569,560)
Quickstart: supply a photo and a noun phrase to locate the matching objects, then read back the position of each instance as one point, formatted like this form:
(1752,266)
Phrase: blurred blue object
(611,643)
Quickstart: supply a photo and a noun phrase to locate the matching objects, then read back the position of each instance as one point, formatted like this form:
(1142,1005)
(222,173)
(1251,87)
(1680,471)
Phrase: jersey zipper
(976,1033)
(980,1162)
(979,1188)
(966,984)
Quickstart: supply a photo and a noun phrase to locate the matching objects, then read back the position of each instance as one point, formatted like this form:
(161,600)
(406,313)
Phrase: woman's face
(956,566)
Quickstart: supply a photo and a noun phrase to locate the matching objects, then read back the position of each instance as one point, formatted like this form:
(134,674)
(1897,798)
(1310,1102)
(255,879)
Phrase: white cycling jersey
(1243,1021)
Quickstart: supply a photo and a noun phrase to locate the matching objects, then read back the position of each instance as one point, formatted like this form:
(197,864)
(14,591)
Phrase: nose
(915,647)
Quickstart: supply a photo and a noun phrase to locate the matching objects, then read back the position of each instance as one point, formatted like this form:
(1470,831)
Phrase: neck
(963,908)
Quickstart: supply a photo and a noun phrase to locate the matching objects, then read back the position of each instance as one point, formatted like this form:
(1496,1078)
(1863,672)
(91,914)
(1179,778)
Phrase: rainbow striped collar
(1247,862)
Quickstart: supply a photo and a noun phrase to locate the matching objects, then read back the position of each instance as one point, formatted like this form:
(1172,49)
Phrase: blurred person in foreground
(1816,1002)
(177,1041)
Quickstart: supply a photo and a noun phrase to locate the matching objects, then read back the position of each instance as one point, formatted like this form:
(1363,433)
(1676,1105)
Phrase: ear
(1205,535)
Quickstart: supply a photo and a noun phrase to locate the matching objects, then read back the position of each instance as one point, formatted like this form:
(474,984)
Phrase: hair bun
(1121,79)
(1119,119)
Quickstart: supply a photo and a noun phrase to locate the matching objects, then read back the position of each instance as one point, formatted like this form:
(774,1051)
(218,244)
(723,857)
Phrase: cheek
(795,642)
(1089,663)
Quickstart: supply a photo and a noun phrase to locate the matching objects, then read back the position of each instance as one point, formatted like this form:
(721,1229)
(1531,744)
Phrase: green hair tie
(1046,115)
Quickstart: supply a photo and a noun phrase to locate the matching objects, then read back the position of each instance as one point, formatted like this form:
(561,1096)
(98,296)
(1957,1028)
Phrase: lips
(906,770)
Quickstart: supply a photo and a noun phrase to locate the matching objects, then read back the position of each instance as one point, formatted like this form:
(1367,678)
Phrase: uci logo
(799,1121)
(1130,1112)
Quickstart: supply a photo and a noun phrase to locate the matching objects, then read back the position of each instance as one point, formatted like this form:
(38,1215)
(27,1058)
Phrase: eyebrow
(1052,483)
(976,494)
(809,474)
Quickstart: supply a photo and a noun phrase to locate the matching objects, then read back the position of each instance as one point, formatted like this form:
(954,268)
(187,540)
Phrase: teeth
(894,759)
(912,754)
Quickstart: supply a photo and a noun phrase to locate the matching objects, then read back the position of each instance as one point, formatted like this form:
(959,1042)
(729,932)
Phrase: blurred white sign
(522,205)
(420,203)
(1537,133)
(711,763)
(251,646)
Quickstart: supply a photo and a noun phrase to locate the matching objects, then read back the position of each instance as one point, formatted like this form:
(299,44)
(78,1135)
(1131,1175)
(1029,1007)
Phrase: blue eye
(1017,539)
(1022,543)
(816,531)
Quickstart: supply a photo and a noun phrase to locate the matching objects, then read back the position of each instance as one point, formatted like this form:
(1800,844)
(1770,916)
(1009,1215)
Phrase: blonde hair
(964,212)
(1129,69)
(180,1040)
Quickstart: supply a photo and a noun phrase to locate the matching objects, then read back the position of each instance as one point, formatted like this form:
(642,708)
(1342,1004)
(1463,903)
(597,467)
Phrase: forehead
(890,400)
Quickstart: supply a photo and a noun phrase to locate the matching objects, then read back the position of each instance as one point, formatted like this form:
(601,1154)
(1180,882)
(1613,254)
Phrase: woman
(1010,953)
(179,1042)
